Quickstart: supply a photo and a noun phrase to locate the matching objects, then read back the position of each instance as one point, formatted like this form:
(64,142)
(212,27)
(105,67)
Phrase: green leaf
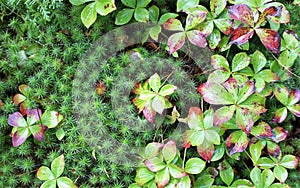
(176,41)
(89,15)
(154,82)
(152,149)
(265,163)
(240,61)
(255,176)
(44,173)
(289,161)
(196,138)
(167,90)
(217,6)
(165,17)
(195,118)
(162,177)
(218,153)
(57,166)
(65,182)
(142,3)
(219,62)
(49,184)
(214,38)
(258,60)
(204,181)
(224,114)
(183,5)
(267,75)
(141,15)
(245,91)
(51,118)
(134,185)
(212,137)
(218,76)
(124,16)
(147,95)
(194,166)
(242,183)
(129,3)
(281,93)
(169,151)
(60,134)
(280,173)
(105,7)
(184,182)
(226,173)
(175,171)
(143,176)
(255,151)
(195,18)
(153,13)
(155,164)
(158,104)
(291,40)
(267,177)
(79,2)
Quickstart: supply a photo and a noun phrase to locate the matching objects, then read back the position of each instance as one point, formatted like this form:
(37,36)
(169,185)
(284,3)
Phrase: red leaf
(206,150)
(237,142)
(242,13)
(270,39)
(273,149)
(149,113)
(197,38)
(280,115)
(262,131)
(176,41)
(241,35)
(294,97)
(279,134)
(39,135)
(18,98)
(24,108)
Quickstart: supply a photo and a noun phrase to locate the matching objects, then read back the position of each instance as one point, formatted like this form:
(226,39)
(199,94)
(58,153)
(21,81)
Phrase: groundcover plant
(241,131)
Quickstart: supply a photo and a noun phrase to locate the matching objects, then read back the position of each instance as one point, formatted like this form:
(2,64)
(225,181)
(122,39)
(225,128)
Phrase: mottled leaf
(289,161)
(16,119)
(197,38)
(240,61)
(262,131)
(294,97)
(217,6)
(295,109)
(173,24)
(194,18)
(219,62)
(237,142)
(162,177)
(214,38)
(57,166)
(38,131)
(218,76)
(241,35)
(176,41)
(167,89)
(51,118)
(20,136)
(206,150)
(279,134)
(183,5)
(255,176)
(165,17)
(273,149)
(33,116)
(195,118)
(244,120)
(270,39)
(267,177)
(18,98)
(255,151)
(280,115)
(155,164)
(60,134)
(266,163)
(242,13)
(149,112)
(152,149)
(105,7)
(169,151)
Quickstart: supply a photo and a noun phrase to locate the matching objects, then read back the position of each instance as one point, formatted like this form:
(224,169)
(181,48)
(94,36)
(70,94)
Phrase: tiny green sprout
(153,97)
(52,176)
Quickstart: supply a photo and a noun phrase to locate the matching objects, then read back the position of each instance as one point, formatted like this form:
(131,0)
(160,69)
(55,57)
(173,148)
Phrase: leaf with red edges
(270,39)
(149,113)
(279,134)
(173,25)
(242,13)
(33,116)
(24,89)
(295,109)
(197,38)
(195,118)
(24,108)
(1,104)
(20,136)
(244,120)
(273,149)
(237,142)
(206,150)
(281,93)
(262,131)
(280,115)
(17,120)
(18,98)
(176,41)
(294,97)
(38,131)
(241,35)
(223,114)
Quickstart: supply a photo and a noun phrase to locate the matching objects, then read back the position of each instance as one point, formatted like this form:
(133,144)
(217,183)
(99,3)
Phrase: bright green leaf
(65,182)
(183,5)
(280,173)
(226,173)
(49,184)
(240,61)
(153,13)
(143,176)
(124,16)
(194,166)
(44,173)
(89,15)
(60,134)
(57,166)
(79,2)
(167,90)
(129,3)
(105,7)
(141,15)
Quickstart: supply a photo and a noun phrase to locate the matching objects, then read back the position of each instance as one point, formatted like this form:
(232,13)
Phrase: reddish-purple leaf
(241,35)
(273,149)
(20,136)
(270,39)
(242,13)
(244,120)
(176,41)
(237,142)
(262,131)
(223,114)
(33,116)
(173,25)
(17,120)
(149,113)
(279,134)
(280,115)
(294,97)
(206,150)
(18,98)
(295,109)
(197,38)
(38,131)
(24,107)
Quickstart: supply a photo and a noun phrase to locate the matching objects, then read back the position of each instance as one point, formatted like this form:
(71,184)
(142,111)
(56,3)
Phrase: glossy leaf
(51,118)
(266,163)
(270,39)
(60,134)
(197,38)
(255,176)
(241,35)
(295,109)
(279,134)
(38,131)
(217,6)
(175,171)
(226,172)
(129,3)
(214,93)
(173,24)
(220,62)
(244,120)
(242,13)
(280,115)
(206,150)
(214,38)
(89,14)
(223,114)
(44,173)
(57,166)
(143,176)
(289,161)
(267,177)
(240,61)
(165,17)
(262,131)
(194,166)
(141,15)
(294,97)
(124,16)
(218,76)
(167,89)
(237,142)
(155,164)
(153,13)
(273,149)
(152,149)
(105,7)
(142,3)
(65,182)
(183,5)
(169,151)
(18,98)
(280,173)
(162,177)
(258,60)
(255,151)
(49,184)
(281,93)
(79,2)
(20,136)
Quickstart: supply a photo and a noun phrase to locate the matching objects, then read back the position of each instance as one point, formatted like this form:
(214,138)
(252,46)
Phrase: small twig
(184,156)
(285,67)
